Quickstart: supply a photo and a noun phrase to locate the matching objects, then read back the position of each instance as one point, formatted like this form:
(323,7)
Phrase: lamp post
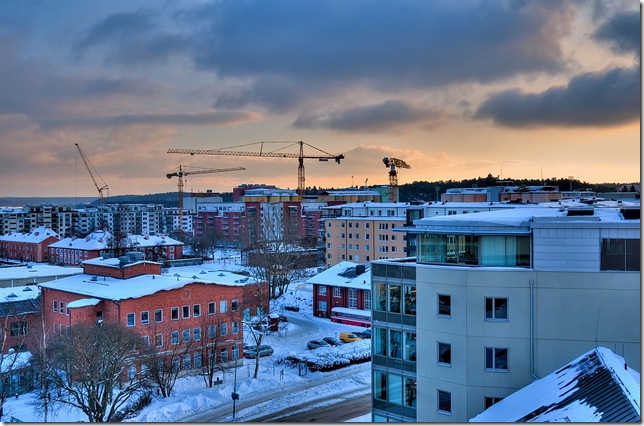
(235,395)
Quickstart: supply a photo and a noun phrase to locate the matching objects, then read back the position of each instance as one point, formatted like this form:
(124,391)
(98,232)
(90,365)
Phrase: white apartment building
(507,297)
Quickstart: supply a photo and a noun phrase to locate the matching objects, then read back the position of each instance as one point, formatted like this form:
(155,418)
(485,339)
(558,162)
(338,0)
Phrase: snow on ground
(191,396)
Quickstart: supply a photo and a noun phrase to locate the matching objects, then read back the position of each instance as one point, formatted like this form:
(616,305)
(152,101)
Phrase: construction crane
(181,173)
(277,153)
(90,166)
(392,163)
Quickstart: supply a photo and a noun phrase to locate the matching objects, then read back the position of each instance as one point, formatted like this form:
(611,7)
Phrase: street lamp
(235,395)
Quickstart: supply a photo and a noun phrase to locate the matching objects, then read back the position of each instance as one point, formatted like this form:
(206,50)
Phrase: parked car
(264,350)
(314,344)
(365,334)
(333,341)
(348,337)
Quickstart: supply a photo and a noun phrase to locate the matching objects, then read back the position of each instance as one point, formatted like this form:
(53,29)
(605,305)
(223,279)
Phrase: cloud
(592,99)
(371,118)
(622,31)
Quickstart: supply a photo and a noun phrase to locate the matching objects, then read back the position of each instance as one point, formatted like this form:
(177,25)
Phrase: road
(333,397)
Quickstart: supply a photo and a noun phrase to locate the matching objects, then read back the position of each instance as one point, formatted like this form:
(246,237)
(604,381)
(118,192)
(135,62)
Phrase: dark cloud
(622,31)
(591,99)
(372,118)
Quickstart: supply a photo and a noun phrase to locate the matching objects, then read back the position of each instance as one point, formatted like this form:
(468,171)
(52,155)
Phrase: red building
(343,293)
(183,309)
(28,247)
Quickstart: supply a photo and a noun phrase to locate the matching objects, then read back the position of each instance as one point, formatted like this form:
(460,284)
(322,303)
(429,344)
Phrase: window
(395,349)
(145,340)
(337,292)
(158,340)
(496,359)
(380,385)
(62,307)
(367,299)
(444,353)
(131,372)
(158,315)
(410,392)
(353,298)
(322,305)
(235,352)
(445,305)
(618,254)
(234,305)
(55,306)
(394,298)
(186,336)
(18,328)
(224,355)
(131,319)
(491,400)
(212,308)
(322,290)
(212,331)
(223,306)
(223,329)
(366,236)
(145,317)
(444,402)
(174,338)
(186,311)
(410,346)
(186,362)
(496,308)
(235,327)
(197,363)
(196,333)
(175,313)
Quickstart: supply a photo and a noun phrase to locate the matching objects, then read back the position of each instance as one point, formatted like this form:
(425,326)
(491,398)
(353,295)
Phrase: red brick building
(182,308)
(343,293)
(28,247)
(19,316)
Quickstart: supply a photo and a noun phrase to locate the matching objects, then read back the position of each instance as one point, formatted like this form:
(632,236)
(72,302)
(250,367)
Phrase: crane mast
(89,167)
(392,163)
(181,173)
(277,153)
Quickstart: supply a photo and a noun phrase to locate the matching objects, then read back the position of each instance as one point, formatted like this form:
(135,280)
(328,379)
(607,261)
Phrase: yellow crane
(276,153)
(392,163)
(181,173)
(89,167)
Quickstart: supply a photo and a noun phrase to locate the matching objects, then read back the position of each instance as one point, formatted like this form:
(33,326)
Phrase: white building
(507,297)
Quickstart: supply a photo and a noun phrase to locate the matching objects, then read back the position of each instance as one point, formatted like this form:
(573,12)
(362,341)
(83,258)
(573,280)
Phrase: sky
(517,89)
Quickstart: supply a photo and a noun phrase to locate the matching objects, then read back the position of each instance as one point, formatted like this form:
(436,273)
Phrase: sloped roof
(344,274)
(596,387)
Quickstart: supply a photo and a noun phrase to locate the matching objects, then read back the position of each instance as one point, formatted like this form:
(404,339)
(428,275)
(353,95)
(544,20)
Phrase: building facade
(28,247)
(508,297)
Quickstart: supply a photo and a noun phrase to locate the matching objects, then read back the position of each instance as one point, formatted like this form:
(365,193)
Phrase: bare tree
(256,305)
(92,368)
(212,341)
(163,358)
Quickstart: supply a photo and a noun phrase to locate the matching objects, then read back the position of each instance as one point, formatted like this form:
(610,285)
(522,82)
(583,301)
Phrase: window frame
(174,337)
(439,403)
(185,312)
(212,308)
(144,318)
(196,310)
(130,319)
(444,348)
(438,307)
(160,315)
(493,311)
(174,313)
(491,363)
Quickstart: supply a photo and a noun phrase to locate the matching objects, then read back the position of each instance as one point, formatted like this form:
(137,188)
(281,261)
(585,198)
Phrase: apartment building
(28,246)
(508,297)
(183,309)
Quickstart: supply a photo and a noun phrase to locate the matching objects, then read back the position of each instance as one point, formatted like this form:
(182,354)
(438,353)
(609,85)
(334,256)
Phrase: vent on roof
(12,295)
(630,213)
(581,211)
(27,289)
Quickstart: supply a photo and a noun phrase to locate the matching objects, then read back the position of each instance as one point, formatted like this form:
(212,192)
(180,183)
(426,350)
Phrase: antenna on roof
(597,326)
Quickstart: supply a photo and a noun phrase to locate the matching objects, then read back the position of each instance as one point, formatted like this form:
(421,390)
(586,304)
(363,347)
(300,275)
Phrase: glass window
(62,307)
(496,308)
(322,290)
(131,319)
(394,298)
(186,362)
(145,341)
(496,359)
(158,340)
(379,341)
(235,352)
(235,327)
(380,385)
(234,305)
(186,336)
(212,331)
(444,353)
(410,346)
(145,317)
(491,400)
(337,292)
(174,338)
(158,315)
(410,299)
(410,392)
(186,311)
(224,355)
(395,349)
(394,388)
(353,298)
(55,306)
(131,372)
(223,329)
(445,305)
(174,313)
(444,402)
(367,299)
(223,306)
(322,305)
(196,311)
(196,333)
(212,308)
(197,362)
(618,254)
(380,303)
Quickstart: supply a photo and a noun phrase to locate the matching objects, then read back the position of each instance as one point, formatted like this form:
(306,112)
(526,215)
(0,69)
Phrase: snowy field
(191,397)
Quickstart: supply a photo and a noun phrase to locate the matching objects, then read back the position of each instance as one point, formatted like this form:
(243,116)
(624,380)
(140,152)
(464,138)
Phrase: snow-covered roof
(595,387)
(36,235)
(15,361)
(119,289)
(97,240)
(344,275)
(37,270)
(23,292)
(81,303)
(152,241)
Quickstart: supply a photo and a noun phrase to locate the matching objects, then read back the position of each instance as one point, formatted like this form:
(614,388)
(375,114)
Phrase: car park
(314,344)
(348,337)
(365,334)
(333,341)
(264,350)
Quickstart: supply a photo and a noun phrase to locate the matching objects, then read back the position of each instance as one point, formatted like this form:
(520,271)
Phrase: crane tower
(89,167)
(277,153)
(392,163)
(181,173)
